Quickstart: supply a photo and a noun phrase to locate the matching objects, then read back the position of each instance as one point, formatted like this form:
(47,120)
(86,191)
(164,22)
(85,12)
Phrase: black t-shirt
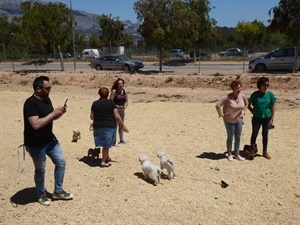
(103,113)
(35,107)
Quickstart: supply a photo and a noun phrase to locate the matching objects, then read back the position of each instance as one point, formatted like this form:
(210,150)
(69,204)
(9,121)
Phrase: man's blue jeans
(256,124)
(233,130)
(38,155)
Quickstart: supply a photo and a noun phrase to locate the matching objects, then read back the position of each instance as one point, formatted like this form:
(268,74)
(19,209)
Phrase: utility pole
(74,57)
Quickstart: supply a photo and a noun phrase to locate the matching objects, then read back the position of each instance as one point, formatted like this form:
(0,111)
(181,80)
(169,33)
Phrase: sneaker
(116,145)
(62,196)
(43,200)
(230,158)
(240,158)
(266,155)
(103,164)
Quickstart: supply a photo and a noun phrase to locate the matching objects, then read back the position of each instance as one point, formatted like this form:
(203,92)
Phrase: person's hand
(125,129)
(59,111)
(270,122)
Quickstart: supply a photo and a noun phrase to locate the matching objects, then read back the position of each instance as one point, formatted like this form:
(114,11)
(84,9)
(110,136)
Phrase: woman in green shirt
(261,105)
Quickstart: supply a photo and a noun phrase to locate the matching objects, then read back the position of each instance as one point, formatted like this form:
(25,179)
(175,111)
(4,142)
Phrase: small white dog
(166,163)
(149,169)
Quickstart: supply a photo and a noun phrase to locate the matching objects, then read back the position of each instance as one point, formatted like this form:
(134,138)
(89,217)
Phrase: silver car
(231,52)
(279,59)
(176,53)
(116,62)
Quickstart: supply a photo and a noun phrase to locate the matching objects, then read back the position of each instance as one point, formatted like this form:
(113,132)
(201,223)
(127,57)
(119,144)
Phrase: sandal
(108,160)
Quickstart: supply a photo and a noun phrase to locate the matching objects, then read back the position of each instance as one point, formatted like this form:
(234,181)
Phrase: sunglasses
(47,88)
(265,85)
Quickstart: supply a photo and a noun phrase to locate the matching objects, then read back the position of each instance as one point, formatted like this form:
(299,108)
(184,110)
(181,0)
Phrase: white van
(90,53)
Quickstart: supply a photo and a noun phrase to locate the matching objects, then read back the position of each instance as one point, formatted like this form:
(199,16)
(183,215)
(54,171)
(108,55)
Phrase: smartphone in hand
(65,105)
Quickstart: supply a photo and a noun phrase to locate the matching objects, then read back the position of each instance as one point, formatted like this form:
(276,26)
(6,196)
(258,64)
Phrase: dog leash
(21,160)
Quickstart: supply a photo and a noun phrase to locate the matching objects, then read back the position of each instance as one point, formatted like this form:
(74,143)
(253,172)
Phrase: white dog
(166,163)
(149,169)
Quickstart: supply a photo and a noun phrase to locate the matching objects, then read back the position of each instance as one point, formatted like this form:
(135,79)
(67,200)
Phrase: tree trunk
(296,56)
(160,59)
(61,59)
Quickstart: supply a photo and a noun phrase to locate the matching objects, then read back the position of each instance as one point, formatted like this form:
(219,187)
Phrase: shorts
(103,137)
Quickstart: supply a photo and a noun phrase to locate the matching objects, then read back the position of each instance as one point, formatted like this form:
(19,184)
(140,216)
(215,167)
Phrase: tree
(111,30)
(164,23)
(286,19)
(250,33)
(4,27)
(46,26)
(200,24)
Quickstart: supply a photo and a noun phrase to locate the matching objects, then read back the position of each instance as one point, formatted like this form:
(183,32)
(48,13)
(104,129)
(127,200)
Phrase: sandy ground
(172,113)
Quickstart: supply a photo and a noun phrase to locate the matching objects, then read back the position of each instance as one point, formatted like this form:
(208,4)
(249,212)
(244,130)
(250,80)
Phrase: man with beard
(40,141)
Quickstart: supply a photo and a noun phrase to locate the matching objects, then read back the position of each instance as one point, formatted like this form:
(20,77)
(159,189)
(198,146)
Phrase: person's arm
(36,122)
(246,103)
(92,115)
(250,107)
(112,94)
(126,103)
(219,106)
(272,115)
(119,120)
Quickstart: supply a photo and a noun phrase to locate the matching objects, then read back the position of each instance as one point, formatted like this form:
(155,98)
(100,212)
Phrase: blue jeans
(38,155)
(233,129)
(256,124)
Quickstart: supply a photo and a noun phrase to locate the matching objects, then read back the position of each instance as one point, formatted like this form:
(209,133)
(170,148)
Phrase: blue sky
(226,12)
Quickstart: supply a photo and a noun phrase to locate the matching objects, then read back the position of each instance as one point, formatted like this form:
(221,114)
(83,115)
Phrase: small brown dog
(76,135)
(250,151)
(94,153)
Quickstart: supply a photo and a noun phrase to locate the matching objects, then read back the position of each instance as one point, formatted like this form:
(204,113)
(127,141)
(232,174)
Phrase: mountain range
(86,22)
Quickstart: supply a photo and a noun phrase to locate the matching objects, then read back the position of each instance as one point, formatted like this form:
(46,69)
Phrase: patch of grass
(253,80)
(288,79)
(217,75)
(169,79)
(56,82)
(238,77)
(139,93)
(172,96)
(24,82)
(3,82)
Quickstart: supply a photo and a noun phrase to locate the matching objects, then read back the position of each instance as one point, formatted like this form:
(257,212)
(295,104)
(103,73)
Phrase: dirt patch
(173,113)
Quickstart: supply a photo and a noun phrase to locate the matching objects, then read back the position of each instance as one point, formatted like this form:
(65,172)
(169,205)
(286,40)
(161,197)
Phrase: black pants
(256,124)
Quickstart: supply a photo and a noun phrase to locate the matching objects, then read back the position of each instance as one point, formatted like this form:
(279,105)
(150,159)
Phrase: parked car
(278,59)
(116,62)
(176,53)
(231,52)
(199,52)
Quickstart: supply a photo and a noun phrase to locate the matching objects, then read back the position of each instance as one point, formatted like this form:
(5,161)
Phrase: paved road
(217,67)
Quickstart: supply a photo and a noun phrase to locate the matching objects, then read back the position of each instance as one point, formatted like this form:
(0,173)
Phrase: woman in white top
(232,108)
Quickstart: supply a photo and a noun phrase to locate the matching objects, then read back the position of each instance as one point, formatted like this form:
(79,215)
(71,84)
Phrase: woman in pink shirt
(232,108)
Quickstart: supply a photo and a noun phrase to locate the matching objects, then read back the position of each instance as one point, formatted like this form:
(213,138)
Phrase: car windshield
(122,57)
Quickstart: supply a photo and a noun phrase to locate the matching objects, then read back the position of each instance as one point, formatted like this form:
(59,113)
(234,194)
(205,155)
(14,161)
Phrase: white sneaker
(230,158)
(240,158)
